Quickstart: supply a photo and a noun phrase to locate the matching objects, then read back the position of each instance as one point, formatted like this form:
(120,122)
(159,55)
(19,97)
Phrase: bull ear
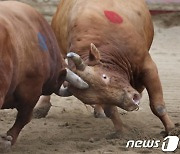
(94,54)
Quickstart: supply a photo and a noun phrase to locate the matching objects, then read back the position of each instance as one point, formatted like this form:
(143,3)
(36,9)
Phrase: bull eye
(106,79)
(104,76)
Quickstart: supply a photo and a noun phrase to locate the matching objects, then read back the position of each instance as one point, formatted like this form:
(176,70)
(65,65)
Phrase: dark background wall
(48,7)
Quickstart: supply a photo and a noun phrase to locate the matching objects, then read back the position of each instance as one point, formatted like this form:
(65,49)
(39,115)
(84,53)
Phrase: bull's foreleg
(153,85)
(23,117)
(5,141)
(98,111)
(42,107)
(113,114)
(26,98)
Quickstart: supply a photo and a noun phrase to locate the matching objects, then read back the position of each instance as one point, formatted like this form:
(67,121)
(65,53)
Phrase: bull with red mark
(31,64)
(108,44)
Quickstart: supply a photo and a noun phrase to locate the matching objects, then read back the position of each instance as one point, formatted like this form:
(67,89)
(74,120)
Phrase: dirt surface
(71,128)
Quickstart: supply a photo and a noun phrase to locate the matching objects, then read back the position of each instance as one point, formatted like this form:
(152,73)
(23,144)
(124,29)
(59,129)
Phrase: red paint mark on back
(113,17)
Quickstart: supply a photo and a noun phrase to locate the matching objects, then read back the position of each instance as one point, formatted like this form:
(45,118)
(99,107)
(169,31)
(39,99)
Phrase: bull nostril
(136,99)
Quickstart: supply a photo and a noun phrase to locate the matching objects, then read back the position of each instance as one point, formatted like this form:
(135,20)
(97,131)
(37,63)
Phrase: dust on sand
(71,128)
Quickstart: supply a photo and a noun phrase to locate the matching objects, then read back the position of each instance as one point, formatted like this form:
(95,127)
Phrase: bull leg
(1,102)
(153,85)
(23,117)
(26,99)
(42,107)
(5,141)
(113,114)
(98,111)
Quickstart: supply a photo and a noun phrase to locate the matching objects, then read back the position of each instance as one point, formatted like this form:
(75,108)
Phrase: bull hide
(31,64)
(113,39)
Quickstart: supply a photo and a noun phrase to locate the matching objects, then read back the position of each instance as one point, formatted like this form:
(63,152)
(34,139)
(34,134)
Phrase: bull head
(106,86)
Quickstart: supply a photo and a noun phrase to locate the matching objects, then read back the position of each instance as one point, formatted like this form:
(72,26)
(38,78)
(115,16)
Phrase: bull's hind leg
(152,83)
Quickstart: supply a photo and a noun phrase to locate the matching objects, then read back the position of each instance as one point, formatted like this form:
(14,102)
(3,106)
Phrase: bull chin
(130,108)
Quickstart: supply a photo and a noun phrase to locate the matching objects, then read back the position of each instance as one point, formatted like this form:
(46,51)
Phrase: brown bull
(117,66)
(30,64)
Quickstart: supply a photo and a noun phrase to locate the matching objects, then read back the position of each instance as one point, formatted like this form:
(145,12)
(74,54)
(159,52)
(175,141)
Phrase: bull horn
(75,80)
(64,92)
(77,60)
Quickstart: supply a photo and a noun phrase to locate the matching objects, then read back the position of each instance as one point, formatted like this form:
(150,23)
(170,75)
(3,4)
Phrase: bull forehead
(98,75)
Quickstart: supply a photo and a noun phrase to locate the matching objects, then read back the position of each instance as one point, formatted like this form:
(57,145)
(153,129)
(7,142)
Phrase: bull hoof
(114,135)
(175,131)
(99,114)
(172,132)
(41,111)
(5,143)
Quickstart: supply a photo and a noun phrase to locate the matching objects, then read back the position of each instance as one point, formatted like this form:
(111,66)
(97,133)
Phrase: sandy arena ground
(71,128)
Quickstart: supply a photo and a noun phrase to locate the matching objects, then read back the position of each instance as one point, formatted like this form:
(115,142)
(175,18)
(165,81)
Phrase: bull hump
(113,17)
(42,42)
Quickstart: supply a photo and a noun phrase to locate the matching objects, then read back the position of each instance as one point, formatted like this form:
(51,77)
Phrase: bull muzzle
(79,63)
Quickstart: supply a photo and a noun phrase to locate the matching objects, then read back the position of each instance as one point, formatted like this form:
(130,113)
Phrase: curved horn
(77,60)
(64,92)
(75,80)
